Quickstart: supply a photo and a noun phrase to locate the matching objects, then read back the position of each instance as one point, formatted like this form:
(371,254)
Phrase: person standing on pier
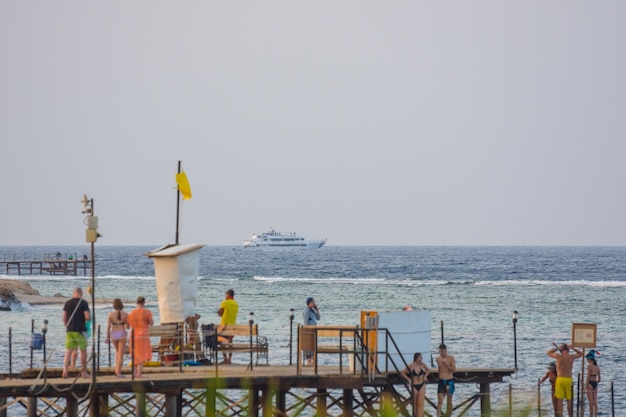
(593,378)
(75,315)
(416,374)
(228,312)
(447,365)
(551,375)
(563,387)
(310,316)
(117,324)
(140,319)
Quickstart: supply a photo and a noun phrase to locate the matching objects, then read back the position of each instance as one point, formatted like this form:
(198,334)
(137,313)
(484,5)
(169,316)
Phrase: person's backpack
(209,337)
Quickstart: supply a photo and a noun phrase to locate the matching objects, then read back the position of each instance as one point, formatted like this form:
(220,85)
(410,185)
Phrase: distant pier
(48,264)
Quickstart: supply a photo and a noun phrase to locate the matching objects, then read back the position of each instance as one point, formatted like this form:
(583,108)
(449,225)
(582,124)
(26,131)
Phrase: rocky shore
(15,292)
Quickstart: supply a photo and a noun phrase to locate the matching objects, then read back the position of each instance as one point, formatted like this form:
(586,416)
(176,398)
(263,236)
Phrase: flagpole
(177,205)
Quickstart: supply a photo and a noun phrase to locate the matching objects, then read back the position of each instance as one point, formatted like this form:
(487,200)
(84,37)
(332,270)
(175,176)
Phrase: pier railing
(47,264)
(380,362)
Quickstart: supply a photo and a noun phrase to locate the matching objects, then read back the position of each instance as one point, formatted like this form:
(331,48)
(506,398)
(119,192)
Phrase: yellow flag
(183,185)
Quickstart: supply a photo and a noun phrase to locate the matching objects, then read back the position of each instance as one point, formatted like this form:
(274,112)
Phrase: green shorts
(75,340)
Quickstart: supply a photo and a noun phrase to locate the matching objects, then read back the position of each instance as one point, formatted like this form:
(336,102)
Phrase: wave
(409,282)
(322,280)
(65,278)
(568,283)
(404,282)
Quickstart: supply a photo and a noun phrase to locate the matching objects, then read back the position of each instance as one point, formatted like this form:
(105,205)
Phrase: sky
(363,122)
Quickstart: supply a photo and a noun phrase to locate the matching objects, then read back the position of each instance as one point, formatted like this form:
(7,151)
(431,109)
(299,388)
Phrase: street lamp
(515,336)
(251,322)
(290,335)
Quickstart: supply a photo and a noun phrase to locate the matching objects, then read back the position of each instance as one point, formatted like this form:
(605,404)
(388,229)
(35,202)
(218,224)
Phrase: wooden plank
(238,330)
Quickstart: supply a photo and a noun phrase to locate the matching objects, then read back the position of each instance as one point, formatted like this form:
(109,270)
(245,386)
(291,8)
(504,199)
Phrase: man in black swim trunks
(447,365)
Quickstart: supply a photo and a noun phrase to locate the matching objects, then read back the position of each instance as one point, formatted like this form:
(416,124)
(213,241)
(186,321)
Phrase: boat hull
(276,240)
(264,245)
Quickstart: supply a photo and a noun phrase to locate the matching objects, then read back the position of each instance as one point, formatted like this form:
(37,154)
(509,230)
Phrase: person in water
(416,374)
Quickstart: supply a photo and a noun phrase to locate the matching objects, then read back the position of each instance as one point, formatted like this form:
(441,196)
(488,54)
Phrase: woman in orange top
(140,319)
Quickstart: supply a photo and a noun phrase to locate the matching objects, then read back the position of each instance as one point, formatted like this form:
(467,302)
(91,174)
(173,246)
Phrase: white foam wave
(408,282)
(322,280)
(65,278)
(570,283)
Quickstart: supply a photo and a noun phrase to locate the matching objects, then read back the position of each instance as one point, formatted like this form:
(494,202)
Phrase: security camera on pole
(92,235)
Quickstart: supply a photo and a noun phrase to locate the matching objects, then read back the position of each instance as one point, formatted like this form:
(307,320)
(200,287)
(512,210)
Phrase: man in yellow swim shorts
(563,387)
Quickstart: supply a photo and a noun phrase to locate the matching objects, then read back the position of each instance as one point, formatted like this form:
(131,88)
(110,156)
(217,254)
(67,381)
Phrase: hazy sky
(364,122)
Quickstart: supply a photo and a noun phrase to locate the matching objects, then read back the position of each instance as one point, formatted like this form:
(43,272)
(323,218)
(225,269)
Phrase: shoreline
(14,292)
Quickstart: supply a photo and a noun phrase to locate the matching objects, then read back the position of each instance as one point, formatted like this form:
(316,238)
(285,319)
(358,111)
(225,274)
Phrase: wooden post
(253,403)
(31,408)
(348,397)
(583,386)
(211,393)
(171,405)
(266,395)
(281,404)
(321,402)
(538,397)
(140,404)
(485,400)
(99,405)
(71,407)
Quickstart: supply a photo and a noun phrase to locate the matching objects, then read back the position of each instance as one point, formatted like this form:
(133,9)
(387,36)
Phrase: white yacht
(274,239)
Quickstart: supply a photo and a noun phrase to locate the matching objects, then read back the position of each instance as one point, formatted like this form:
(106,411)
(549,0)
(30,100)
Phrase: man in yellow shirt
(228,312)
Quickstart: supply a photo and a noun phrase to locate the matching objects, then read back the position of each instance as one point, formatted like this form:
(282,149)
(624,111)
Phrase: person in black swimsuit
(593,377)
(416,374)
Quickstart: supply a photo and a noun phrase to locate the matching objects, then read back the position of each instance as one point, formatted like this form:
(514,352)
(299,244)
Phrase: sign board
(176,270)
(584,335)
(411,333)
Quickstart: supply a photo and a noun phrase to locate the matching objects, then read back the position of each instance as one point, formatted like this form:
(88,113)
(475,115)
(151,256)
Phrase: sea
(471,293)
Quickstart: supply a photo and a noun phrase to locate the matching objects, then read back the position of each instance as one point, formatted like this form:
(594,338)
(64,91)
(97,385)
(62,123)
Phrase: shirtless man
(447,365)
(563,385)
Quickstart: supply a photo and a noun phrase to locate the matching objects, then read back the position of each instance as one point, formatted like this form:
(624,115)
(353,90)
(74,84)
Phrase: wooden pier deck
(46,266)
(230,390)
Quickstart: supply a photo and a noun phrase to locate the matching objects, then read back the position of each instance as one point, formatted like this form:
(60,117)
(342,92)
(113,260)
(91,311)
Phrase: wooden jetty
(230,390)
(56,264)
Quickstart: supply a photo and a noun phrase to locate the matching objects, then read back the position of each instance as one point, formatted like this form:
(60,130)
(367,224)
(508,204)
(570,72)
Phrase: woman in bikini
(140,319)
(593,378)
(551,376)
(416,374)
(116,333)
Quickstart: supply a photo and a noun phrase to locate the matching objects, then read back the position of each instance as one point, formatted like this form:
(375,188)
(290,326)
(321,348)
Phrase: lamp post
(92,235)
(515,336)
(251,322)
(290,335)
(44,330)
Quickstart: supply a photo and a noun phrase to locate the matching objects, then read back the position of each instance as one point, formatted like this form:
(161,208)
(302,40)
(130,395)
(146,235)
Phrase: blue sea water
(470,292)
